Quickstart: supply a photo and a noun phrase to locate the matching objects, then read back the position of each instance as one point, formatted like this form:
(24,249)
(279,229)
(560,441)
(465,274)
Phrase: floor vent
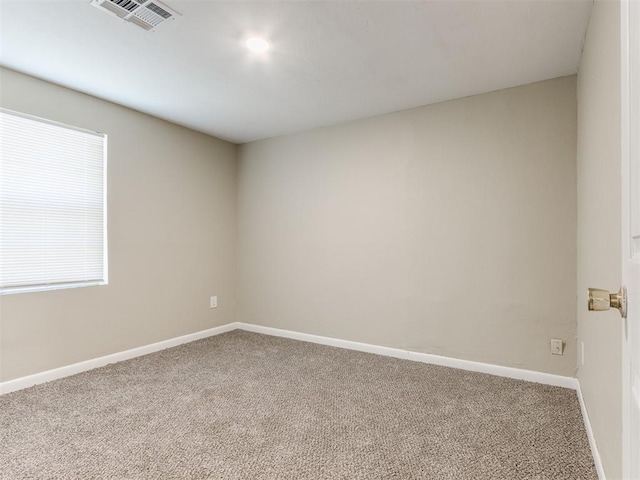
(147,14)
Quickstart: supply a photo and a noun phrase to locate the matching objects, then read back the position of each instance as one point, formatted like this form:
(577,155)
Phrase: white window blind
(52,205)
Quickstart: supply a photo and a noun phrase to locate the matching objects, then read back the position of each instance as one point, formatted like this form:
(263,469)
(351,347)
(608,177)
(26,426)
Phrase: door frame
(628,138)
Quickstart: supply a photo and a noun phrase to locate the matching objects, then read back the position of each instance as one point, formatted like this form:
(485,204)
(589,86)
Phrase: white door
(630,29)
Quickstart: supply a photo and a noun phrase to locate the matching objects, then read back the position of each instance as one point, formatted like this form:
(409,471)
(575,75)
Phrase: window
(52,205)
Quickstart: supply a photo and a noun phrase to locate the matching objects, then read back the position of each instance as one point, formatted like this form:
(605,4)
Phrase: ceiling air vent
(146,14)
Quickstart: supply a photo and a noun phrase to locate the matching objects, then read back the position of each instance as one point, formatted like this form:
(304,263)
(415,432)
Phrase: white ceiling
(330,61)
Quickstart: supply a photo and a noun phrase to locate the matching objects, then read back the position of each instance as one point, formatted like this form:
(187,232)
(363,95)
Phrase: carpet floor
(248,406)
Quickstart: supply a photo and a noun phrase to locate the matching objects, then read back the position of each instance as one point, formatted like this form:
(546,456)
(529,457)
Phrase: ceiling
(329,62)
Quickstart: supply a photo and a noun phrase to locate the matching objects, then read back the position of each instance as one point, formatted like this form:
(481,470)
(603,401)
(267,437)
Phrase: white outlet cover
(556,346)
(213,303)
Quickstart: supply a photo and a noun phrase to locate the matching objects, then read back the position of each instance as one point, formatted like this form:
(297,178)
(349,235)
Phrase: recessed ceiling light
(257,44)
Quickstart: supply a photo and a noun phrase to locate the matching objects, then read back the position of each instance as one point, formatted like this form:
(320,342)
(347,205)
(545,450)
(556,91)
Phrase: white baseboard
(49,375)
(592,439)
(510,372)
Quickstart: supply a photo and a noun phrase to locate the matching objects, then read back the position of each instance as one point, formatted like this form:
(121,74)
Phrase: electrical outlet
(213,303)
(556,346)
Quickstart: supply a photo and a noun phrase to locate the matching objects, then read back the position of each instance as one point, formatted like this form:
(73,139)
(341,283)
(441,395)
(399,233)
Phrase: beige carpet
(249,406)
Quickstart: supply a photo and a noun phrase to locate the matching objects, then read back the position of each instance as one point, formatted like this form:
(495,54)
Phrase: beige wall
(448,229)
(172,236)
(599,228)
